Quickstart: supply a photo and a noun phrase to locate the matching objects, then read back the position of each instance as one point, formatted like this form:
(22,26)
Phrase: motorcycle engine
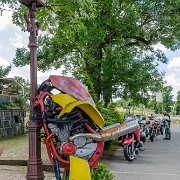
(80,147)
(67,126)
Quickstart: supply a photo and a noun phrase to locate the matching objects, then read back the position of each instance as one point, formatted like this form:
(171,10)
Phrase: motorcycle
(72,127)
(156,129)
(131,141)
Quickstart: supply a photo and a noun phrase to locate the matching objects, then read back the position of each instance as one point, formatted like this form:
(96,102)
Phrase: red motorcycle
(131,142)
(156,129)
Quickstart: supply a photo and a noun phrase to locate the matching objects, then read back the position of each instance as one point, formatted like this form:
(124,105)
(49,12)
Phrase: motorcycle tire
(152,137)
(129,155)
(143,139)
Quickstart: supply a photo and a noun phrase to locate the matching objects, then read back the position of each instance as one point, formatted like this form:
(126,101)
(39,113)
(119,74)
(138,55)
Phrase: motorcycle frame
(51,146)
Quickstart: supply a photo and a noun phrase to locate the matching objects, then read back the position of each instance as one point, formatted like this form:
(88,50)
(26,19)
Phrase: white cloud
(20,71)
(172,79)
(174,63)
(160,46)
(18,41)
(4,62)
(1,46)
(5,19)
(173,75)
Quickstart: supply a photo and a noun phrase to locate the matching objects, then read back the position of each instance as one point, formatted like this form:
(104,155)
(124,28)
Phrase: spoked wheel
(128,152)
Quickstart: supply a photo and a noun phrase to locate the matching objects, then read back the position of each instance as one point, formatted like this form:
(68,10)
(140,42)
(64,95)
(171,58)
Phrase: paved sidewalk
(159,161)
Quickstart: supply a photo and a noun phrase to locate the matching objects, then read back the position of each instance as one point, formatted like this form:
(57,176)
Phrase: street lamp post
(34,166)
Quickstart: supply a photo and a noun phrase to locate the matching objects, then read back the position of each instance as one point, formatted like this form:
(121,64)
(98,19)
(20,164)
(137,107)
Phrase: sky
(11,38)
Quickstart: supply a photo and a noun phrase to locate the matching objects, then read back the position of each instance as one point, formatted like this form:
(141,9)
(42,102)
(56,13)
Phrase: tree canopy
(4,71)
(109,42)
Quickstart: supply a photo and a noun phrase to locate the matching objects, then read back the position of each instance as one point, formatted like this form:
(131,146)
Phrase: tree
(167,98)
(19,86)
(4,71)
(108,40)
(177,106)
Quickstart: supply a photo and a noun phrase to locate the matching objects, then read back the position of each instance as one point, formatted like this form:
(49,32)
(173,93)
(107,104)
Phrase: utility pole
(34,166)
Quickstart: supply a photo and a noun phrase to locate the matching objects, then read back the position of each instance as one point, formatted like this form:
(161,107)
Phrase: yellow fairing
(79,169)
(63,99)
(88,108)
(69,103)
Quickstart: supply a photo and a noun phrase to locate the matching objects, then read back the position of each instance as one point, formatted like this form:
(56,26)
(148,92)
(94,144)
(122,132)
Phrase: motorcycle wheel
(152,137)
(143,139)
(128,153)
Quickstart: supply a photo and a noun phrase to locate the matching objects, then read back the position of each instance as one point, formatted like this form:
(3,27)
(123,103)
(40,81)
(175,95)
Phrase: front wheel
(128,152)
(143,139)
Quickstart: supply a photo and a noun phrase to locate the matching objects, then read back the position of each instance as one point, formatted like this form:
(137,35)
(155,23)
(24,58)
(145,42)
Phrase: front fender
(88,108)
(79,169)
(128,141)
(69,103)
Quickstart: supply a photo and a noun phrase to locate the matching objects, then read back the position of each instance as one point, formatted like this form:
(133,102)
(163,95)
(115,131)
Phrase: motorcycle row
(132,142)
(74,132)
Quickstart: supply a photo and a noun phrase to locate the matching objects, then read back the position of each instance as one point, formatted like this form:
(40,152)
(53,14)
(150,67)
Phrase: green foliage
(177,104)
(87,81)
(167,98)
(110,40)
(102,173)
(167,101)
(16,86)
(4,71)
(110,114)
(7,104)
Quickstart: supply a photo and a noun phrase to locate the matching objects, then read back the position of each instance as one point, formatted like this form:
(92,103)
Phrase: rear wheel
(152,138)
(152,134)
(128,152)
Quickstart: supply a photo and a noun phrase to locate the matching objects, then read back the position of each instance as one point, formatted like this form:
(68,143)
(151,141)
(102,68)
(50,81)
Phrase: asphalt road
(159,161)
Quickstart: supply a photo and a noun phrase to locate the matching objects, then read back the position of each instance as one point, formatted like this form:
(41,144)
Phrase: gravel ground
(16,148)
(19,173)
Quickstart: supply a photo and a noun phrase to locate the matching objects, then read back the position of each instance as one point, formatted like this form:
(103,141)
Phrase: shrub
(110,114)
(102,173)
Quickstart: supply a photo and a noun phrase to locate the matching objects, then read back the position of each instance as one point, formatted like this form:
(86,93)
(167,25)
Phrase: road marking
(140,173)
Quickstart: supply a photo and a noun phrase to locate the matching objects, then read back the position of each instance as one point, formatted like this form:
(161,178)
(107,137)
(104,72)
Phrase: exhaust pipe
(110,132)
